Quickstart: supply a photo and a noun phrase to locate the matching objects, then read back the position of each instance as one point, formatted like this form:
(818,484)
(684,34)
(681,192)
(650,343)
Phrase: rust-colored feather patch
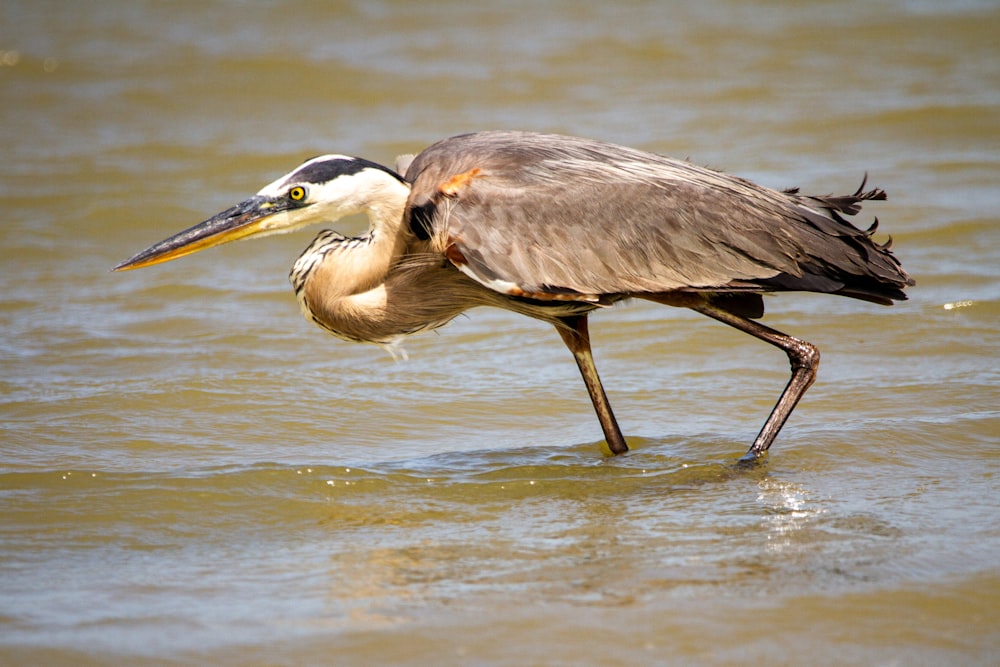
(455,255)
(454,185)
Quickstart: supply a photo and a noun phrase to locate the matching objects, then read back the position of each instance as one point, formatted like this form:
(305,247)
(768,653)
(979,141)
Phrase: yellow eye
(298,193)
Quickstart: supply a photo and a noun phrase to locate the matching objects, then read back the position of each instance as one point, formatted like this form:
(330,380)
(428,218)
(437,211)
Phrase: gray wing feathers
(557,215)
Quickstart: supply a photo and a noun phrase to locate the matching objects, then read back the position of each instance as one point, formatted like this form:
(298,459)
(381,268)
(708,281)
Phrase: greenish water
(190,473)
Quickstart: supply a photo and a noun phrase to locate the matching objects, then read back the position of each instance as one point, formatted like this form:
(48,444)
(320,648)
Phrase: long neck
(362,261)
(339,281)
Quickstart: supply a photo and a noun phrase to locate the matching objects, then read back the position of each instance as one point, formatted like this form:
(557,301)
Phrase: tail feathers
(859,267)
(851,204)
(880,284)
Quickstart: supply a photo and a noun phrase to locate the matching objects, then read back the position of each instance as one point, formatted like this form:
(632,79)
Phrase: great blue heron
(555,227)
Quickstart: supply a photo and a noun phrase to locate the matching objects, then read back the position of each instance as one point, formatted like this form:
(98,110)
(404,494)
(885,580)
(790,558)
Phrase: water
(193,474)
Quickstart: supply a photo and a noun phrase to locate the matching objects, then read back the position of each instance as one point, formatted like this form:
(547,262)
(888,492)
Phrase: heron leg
(576,335)
(804,359)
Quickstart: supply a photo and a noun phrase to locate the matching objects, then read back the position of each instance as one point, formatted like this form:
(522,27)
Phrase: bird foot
(750,459)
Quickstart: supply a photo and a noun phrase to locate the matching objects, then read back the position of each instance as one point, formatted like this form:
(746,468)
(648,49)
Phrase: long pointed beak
(235,223)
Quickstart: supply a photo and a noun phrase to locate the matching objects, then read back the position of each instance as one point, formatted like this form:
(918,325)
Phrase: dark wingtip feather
(855,265)
(851,204)
(875,194)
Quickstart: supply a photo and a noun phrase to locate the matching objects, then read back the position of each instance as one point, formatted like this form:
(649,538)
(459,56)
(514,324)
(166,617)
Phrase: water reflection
(788,510)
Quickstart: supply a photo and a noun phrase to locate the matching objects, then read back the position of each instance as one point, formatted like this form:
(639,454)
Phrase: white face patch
(280,186)
(332,187)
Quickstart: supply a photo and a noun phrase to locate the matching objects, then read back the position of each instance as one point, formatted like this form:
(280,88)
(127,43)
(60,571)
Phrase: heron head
(323,189)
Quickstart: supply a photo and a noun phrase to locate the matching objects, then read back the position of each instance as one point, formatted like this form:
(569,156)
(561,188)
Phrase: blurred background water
(190,473)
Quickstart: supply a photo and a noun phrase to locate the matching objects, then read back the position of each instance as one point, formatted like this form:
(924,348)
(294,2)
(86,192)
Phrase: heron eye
(297,194)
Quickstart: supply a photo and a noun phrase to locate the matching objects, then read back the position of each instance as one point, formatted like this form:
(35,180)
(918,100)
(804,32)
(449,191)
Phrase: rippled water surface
(193,474)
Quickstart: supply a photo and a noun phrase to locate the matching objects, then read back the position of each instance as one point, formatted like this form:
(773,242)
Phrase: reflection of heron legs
(577,338)
(804,358)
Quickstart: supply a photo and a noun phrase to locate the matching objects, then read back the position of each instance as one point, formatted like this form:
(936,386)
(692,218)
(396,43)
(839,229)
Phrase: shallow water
(193,474)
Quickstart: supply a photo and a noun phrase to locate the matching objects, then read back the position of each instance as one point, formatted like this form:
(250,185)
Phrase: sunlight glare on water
(193,474)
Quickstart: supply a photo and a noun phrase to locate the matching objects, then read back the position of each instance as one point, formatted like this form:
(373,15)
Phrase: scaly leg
(576,335)
(803,356)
